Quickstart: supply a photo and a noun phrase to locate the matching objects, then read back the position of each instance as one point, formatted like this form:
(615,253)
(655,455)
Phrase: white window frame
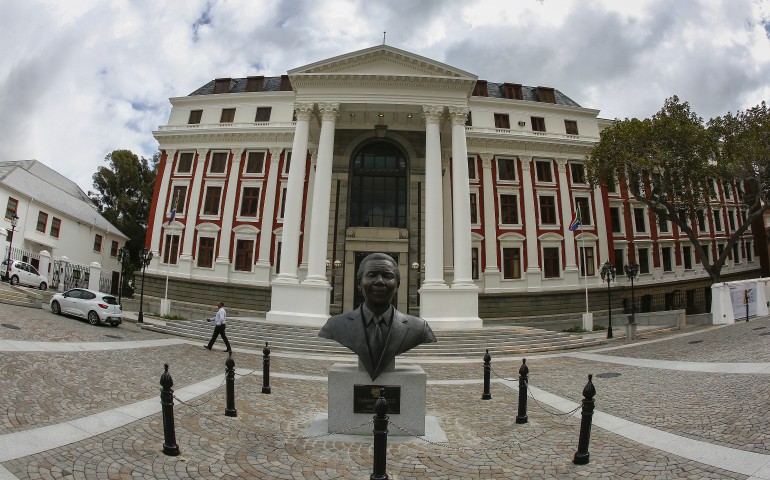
(501,181)
(245,232)
(206,230)
(571,180)
(286,155)
(590,210)
(500,193)
(211,163)
(474,190)
(622,218)
(548,226)
(672,251)
(648,247)
(256,217)
(170,200)
(749,254)
(692,257)
(646,219)
(587,240)
(281,197)
(476,241)
(551,240)
(475,178)
(718,212)
(512,240)
(179,158)
(177,229)
(553,174)
(216,183)
(246,162)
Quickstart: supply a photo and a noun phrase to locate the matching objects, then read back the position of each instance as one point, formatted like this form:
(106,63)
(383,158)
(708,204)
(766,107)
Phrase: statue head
(378,279)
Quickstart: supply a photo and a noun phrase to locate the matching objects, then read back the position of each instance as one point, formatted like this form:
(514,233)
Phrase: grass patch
(172,317)
(599,328)
(575,330)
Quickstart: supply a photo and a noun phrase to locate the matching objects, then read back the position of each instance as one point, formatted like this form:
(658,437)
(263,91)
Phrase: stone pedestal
(342,381)
(631,331)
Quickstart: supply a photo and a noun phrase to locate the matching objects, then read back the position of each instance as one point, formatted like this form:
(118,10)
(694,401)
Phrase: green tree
(673,161)
(123,193)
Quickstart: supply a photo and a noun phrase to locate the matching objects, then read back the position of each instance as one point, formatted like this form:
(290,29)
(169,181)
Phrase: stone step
(469,343)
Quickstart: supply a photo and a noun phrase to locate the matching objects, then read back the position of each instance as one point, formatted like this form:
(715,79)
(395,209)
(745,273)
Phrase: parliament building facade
(280,185)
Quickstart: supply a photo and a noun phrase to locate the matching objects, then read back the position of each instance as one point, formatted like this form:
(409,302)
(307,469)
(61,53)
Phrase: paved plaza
(84,402)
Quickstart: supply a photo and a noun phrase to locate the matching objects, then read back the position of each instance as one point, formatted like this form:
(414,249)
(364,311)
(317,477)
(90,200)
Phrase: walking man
(220,323)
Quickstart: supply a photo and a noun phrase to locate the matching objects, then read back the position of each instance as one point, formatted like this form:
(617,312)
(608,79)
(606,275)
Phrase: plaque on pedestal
(406,384)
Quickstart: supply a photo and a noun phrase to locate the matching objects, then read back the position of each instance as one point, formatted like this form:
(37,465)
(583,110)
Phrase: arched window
(378,186)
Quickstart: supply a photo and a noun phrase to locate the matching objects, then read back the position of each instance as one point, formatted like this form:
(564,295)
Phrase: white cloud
(79,79)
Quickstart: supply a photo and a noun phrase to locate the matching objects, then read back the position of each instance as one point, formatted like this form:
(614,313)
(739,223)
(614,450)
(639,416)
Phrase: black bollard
(230,410)
(523,381)
(487,370)
(167,402)
(380,437)
(582,456)
(266,369)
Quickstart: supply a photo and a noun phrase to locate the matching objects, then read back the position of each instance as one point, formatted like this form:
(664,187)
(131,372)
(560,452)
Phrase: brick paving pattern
(266,440)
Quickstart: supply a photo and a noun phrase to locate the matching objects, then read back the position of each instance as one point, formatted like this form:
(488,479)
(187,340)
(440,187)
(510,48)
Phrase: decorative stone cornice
(459,115)
(432,113)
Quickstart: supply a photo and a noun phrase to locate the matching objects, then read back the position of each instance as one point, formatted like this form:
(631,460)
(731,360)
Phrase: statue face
(378,284)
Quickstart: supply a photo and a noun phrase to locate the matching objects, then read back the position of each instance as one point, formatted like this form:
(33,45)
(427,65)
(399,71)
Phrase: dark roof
(273,84)
(529,93)
(238,85)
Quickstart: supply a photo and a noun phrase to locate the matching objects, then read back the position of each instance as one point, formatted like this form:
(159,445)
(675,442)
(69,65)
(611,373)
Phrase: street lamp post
(122,255)
(608,275)
(146,257)
(631,271)
(14,222)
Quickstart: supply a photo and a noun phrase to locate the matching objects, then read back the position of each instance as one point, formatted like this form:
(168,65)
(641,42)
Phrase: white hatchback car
(95,306)
(23,273)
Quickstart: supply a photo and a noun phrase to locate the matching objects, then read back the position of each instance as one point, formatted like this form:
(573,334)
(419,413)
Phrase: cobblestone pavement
(267,439)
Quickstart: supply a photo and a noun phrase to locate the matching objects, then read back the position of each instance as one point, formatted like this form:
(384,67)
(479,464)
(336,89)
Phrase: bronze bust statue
(376,331)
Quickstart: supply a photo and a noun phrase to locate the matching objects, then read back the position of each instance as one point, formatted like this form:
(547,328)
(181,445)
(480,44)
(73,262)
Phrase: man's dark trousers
(219,330)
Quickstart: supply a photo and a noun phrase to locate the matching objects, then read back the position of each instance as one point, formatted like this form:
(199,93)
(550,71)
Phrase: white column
(291,302)
(457,307)
(446,198)
(571,271)
(319,225)
(461,208)
(222,265)
(601,226)
(160,205)
(191,213)
(262,267)
(434,204)
(307,228)
(491,269)
(533,272)
(294,195)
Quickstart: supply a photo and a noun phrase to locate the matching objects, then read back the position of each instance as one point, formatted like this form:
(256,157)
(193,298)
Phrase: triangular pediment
(382,60)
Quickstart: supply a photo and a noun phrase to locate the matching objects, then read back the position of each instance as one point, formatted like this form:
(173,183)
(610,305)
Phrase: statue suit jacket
(406,332)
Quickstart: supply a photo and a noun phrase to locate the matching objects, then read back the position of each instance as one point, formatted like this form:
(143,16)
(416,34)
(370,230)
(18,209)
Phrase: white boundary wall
(728,300)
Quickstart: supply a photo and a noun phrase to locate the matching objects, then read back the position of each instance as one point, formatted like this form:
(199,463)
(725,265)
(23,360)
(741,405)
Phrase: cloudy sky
(80,78)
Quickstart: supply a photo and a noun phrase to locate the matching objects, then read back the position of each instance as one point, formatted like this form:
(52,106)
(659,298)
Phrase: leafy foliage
(123,193)
(672,162)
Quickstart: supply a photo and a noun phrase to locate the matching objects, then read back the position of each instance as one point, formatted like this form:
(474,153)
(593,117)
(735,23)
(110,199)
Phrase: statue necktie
(379,339)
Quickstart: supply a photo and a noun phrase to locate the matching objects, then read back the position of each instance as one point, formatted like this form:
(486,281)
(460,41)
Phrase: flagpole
(585,271)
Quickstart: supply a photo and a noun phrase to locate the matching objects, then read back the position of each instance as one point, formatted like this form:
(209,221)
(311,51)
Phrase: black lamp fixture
(14,222)
(146,257)
(608,275)
(631,271)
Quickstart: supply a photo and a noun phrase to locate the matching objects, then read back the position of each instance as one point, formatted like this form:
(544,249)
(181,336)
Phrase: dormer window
(285,83)
(546,95)
(255,84)
(195,117)
(512,91)
(480,90)
(221,85)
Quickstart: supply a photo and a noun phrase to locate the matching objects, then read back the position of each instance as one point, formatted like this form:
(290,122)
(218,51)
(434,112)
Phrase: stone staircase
(501,340)
(20,296)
